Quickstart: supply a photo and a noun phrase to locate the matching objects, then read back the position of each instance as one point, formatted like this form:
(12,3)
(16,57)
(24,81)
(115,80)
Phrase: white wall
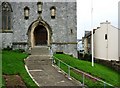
(106,49)
(113,43)
(119,44)
(100,44)
(85,45)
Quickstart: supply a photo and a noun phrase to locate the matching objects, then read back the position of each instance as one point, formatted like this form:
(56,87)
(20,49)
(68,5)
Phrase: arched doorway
(40,35)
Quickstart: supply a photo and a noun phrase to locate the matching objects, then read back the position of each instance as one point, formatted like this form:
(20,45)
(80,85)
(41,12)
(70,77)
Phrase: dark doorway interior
(40,35)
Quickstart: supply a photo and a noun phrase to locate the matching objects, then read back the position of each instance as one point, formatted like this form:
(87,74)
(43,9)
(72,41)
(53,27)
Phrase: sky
(102,10)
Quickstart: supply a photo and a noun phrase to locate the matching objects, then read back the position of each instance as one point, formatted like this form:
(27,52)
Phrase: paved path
(45,74)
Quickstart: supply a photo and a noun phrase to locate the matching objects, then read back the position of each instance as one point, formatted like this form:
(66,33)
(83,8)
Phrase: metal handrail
(84,73)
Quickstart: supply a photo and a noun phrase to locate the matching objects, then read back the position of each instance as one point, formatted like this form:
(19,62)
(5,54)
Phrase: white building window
(106,37)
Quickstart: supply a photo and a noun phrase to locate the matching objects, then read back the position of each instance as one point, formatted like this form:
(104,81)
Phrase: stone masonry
(64,26)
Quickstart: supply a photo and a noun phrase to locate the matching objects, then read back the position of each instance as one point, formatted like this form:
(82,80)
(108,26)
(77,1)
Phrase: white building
(87,42)
(106,42)
(80,47)
(79,44)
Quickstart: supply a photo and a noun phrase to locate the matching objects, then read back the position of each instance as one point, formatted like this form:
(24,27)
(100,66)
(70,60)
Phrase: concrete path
(41,69)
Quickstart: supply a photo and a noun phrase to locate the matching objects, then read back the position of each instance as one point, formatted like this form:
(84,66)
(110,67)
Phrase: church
(26,25)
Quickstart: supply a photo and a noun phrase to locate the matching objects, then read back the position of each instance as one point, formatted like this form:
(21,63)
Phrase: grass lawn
(13,63)
(98,70)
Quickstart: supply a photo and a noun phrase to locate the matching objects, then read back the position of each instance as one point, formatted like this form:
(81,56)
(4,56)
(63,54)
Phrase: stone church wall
(64,26)
(6,40)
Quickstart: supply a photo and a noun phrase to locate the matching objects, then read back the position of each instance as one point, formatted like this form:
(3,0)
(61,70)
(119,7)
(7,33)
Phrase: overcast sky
(102,10)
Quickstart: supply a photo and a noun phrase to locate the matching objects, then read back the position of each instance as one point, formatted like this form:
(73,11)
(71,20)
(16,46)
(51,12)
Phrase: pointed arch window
(6,16)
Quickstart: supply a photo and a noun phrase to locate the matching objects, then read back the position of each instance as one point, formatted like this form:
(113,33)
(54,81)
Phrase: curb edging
(30,74)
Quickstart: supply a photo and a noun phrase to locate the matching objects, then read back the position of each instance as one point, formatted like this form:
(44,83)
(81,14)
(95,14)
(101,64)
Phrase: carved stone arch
(6,6)
(30,33)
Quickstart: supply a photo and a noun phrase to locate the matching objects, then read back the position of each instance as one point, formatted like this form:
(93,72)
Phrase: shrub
(8,48)
(87,57)
(19,50)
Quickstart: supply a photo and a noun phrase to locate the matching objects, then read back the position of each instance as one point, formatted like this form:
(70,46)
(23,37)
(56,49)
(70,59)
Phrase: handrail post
(53,61)
(83,78)
(59,66)
(69,72)
(51,53)
(58,63)
(104,85)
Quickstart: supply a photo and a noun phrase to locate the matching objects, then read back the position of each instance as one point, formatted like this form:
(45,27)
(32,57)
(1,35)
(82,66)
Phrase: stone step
(41,50)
